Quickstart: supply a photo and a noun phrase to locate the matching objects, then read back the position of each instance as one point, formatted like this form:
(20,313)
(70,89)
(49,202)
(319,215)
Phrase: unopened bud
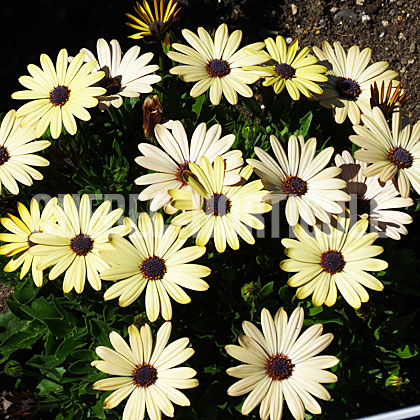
(152,114)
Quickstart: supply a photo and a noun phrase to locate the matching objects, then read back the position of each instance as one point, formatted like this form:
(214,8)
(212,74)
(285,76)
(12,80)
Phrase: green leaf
(267,289)
(198,105)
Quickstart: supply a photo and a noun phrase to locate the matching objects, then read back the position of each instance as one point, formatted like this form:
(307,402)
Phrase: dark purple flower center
(59,95)
(145,375)
(347,88)
(218,68)
(279,367)
(286,71)
(294,185)
(4,155)
(218,205)
(400,157)
(156,27)
(111,84)
(153,268)
(363,206)
(332,262)
(81,244)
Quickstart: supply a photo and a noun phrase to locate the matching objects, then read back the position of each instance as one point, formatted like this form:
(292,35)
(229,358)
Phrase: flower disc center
(59,95)
(400,157)
(279,367)
(363,206)
(153,268)
(286,71)
(218,205)
(4,155)
(111,84)
(81,244)
(348,88)
(156,27)
(145,375)
(293,185)
(218,68)
(332,262)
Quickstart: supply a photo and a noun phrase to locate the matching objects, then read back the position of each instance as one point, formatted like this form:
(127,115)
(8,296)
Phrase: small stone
(392,12)
(365,18)
(346,15)
(385,23)
(289,40)
(411,61)
(382,34)
(294,9)
(401,36)
(412,47)
(399,3)
(402,70)
(322,23)
(333,9)
(360,2)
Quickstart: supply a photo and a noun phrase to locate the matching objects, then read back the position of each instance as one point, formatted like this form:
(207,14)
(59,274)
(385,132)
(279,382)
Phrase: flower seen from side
(216,63)
(72,244)
(336,258)
(389,97)
(311,190)
(393,153)
(375,201)
(146,371)
(350,77)
(152,22)
(297,72)
(59,94)
(18,240)
(224,211)
(278,364)
(128,76)
(154,260)
(172,163)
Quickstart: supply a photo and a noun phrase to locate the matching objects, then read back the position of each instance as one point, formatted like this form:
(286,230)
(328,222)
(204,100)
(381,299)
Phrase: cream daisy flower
(173,161)
(19,242)
(145,370)
(349,80)
(17,153)
(311,190)
(216,64)
(224,210)
(279,365)
(126,77)
(72,244)
(331,259)
(374,201)
(393,153)
(297,73)
(153,260)
(59,94)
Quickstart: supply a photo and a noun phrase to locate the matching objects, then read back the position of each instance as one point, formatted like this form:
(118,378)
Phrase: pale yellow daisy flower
(279,365)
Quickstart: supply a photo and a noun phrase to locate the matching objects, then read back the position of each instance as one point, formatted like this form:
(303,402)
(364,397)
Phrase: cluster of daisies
(207,187)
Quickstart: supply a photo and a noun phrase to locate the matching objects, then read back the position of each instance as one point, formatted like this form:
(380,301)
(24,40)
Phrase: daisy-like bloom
(279,365)
(297,73)
(148,23)
(393,153)
(126,77)
(223,210)
(389,97)
(375,201)
(173,161)
(59,94)
(19,242)
(72,244)
(349,80)
(217,64)
(153,260)
(17,153)
(310,190)
(145,370)
(331,259)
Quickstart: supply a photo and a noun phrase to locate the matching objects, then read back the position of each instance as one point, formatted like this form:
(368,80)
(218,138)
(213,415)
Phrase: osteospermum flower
(279,365)
(223,210)
(349,80)
(72,244)
(148,23)
(375,201)
(173,162)
(153,260)
(19,242)
(297,73)
(59,94)
(145,370)
(310,190)
(393,153)
(126,77)
(338,257)
(17,153)
(216,64)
